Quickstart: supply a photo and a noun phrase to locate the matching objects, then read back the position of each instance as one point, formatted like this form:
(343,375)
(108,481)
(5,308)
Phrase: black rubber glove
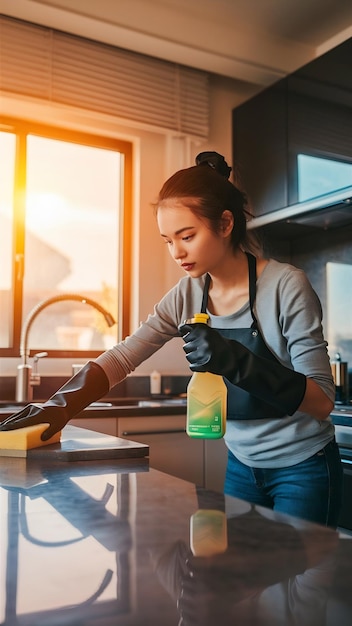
(88,385)
(208,351)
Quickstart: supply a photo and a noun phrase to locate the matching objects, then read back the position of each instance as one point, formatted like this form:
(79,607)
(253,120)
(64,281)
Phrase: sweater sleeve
(160,327)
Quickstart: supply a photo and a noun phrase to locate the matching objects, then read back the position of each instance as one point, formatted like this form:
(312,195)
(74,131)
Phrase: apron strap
(252,270)
(205,294)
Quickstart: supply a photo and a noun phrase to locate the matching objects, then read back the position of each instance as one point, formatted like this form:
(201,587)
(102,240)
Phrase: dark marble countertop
(115,543)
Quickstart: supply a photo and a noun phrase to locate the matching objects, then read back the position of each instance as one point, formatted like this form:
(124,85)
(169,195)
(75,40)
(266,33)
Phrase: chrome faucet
(25,380)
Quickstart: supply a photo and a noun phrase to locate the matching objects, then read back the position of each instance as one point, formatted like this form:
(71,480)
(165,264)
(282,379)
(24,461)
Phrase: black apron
(241,404)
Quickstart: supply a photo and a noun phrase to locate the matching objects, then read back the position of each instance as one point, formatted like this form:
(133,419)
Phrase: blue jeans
(310,490)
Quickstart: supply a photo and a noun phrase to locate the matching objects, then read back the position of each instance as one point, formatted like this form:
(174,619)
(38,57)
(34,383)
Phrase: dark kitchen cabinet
(309,112)
(260,149)
(345,521)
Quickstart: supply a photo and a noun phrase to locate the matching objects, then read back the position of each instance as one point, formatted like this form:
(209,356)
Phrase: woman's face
(191,242)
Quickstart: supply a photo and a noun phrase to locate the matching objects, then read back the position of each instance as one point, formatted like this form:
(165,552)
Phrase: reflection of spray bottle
(206,400)
(208,532)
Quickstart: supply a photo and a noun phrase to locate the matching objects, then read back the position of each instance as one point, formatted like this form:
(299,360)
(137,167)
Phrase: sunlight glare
(45,210)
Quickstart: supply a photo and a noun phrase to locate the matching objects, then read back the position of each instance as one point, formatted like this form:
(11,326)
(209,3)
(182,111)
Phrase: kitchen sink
(163,402)
(140,402)
(13,407)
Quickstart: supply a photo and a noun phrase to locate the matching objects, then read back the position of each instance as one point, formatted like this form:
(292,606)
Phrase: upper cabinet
(292,145)
(260,148)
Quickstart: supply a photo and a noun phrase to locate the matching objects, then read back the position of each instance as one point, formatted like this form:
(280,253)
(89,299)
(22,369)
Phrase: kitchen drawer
(105,425)
(170,449)
(345,520)
(343,435)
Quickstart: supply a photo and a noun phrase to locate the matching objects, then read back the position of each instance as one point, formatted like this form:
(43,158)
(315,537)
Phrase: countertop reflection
(116,543)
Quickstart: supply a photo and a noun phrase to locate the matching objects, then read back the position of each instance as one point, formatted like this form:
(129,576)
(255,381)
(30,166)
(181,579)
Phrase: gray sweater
(290,320)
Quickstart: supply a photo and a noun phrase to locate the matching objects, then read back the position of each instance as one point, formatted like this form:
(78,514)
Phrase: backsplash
(312,253)
(131,387)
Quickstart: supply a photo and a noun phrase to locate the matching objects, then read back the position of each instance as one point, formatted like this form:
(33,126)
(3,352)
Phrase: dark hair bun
(216,161)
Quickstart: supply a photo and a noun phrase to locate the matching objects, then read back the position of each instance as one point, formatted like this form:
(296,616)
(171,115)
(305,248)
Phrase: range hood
(329,211)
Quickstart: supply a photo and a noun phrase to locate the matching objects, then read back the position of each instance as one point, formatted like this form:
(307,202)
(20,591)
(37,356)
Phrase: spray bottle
(206,400)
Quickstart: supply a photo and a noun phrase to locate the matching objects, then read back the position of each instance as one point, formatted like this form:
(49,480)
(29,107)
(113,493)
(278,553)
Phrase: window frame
(22,128)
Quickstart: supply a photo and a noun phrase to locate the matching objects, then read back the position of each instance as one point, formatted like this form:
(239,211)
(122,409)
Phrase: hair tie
(216,161)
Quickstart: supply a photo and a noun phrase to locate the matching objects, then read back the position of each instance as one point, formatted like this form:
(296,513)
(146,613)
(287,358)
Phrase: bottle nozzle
(201,318)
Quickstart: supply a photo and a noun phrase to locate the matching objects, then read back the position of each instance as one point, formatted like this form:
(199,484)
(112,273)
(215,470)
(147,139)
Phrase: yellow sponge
(26,438)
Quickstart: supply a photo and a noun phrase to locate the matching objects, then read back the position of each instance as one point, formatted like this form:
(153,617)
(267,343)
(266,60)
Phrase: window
(64,232)
(319,176)
(339,303)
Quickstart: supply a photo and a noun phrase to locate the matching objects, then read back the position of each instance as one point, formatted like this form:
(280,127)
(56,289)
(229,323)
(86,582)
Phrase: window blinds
(55,66)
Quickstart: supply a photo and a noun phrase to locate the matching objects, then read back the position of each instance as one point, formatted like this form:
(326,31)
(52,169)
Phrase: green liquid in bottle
(206,400)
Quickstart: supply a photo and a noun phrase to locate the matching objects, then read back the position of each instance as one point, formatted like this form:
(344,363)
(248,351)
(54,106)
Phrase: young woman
(264,337)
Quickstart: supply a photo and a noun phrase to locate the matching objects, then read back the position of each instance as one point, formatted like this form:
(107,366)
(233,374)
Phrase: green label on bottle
(204,420)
